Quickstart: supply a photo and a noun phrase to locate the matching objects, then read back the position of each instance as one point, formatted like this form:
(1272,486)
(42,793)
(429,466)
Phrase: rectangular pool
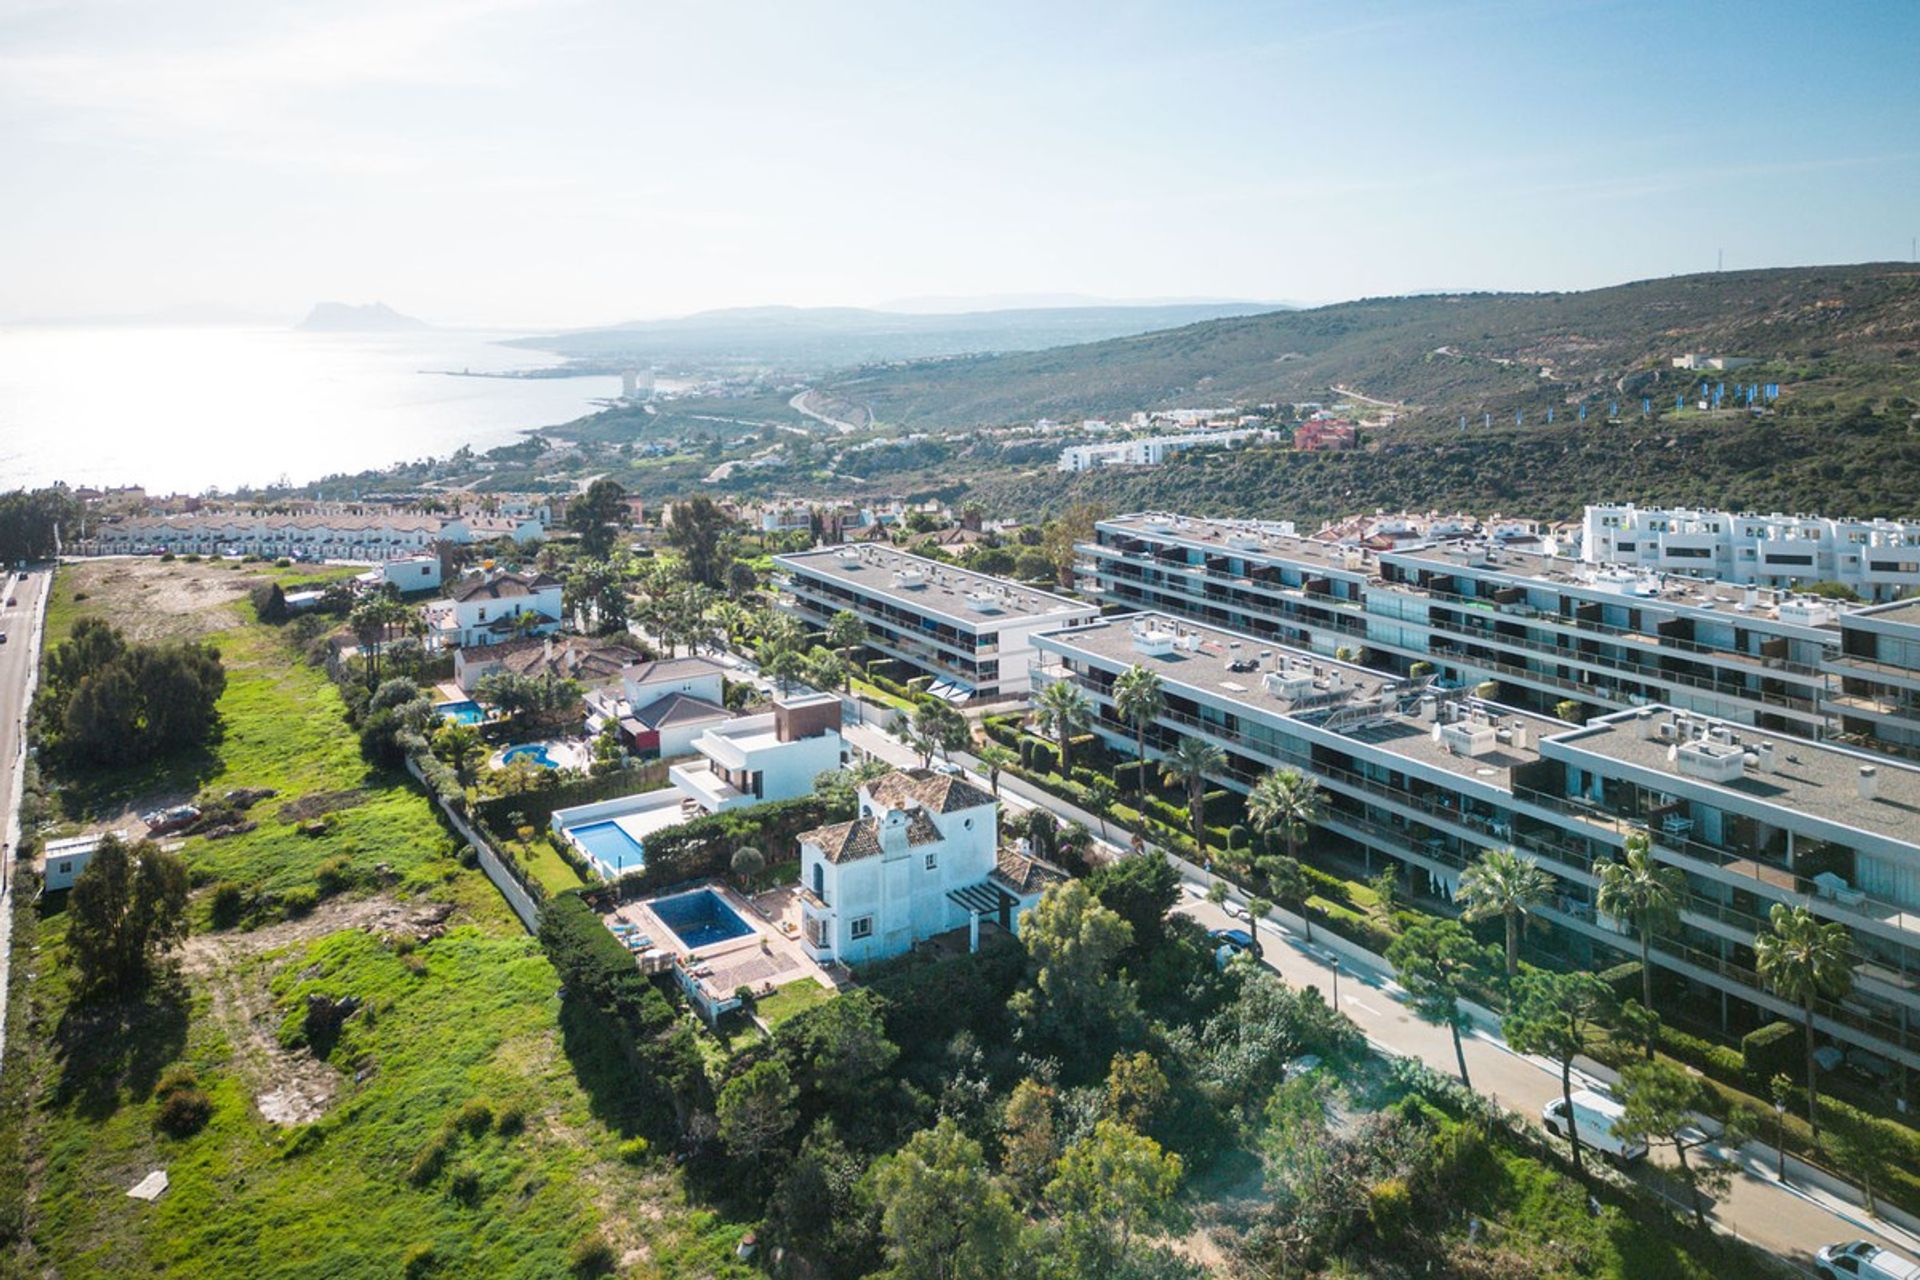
(608,845)
(467,712)
(700,918)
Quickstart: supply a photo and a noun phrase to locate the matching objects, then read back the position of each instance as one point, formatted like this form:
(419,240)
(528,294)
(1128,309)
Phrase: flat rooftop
(1366,706)
(1647,585)
(930,586)
(1810,777)
(1244,537)
(1905,613)
(1203,658)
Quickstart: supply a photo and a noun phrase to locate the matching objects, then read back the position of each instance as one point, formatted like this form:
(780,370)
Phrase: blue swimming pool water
(700,918)
(608,845)
(534,751)
(467,712)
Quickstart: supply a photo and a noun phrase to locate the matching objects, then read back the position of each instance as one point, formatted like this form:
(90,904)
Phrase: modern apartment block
(970,631)
(1876,559)
(1545,627)
(1876,698)
(1430,777)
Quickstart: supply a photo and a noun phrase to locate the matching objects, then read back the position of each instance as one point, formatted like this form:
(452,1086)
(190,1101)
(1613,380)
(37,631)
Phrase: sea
(194,409)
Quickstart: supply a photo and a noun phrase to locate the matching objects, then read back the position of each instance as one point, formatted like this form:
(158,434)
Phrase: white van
(1860,1258)
(1596,1116)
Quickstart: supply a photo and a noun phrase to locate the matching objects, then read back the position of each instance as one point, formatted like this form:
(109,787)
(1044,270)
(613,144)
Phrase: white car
(1234,909)
(1864,1259)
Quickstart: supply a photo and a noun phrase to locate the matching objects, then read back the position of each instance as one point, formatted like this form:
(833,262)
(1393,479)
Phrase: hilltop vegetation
(1857,328)
(1858,463)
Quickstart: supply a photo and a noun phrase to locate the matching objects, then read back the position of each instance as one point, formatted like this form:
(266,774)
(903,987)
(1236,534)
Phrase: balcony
(707,788)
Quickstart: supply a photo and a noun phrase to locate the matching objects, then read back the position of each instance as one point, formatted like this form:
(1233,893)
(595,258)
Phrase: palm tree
(1189,764)
(1137,698)
(1502,883)
(1804,960)
(845,632)
(993,758)
(1289,802)
(1647,896)
(1063,710)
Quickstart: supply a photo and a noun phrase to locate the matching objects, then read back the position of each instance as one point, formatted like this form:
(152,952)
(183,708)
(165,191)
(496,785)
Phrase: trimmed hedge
(1623,980)
(704,847)
(538,806)
(1767,1051)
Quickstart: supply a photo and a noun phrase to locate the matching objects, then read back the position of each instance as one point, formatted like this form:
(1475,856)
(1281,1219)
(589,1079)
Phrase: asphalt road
(19,621)
(1790,1220)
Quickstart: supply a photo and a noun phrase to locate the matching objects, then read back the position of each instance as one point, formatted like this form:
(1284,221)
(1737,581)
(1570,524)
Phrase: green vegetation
(365,1070)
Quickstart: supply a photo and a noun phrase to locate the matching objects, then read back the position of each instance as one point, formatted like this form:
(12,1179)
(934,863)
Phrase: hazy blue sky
(555,162)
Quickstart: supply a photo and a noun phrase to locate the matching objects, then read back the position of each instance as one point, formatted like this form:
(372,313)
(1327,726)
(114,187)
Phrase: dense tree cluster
(31,522)
(111,703)
(126,909)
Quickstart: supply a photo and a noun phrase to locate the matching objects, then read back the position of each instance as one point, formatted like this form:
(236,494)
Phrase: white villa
(922,859)
(486,608)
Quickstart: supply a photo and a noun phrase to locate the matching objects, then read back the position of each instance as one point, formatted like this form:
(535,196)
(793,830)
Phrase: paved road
(21,624)
(1786,1219)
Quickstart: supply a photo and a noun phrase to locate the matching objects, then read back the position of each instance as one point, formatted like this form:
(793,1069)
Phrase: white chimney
(1519,737)
(1869,782)
(1648,722)
(1769,761)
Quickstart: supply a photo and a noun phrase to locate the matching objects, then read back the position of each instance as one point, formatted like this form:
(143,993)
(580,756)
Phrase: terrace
(716,941)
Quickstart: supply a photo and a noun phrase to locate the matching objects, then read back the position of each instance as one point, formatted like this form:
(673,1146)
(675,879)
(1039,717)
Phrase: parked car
(1596,1116)
(162,821)
(1861,1258)
(1238,939)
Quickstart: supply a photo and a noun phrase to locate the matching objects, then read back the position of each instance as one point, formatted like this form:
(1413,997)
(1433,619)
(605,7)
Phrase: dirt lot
(152,599)
(288,1086)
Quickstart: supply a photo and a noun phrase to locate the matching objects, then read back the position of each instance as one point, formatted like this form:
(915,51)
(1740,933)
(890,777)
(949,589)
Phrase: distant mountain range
(346,317)
(816,339)
(1852,330)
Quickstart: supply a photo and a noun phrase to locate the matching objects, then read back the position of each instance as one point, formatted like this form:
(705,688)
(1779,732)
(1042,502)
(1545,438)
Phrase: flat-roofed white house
(408,574)
(922,859)
(486,608)
(771,756)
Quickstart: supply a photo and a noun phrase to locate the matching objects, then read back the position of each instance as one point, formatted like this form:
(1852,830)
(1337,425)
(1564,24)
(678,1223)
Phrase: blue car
(1238,939)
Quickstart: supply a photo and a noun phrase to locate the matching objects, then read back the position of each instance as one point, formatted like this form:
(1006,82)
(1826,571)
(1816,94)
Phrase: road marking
(1361,1005)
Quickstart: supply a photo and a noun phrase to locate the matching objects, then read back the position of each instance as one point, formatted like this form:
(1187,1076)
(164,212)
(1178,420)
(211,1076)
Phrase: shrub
(183,1113)
(430,1159)
(475,1117)
(166,557)
(592,1256)
(419,1260)
(299,901)
(1770,1050)
(464,1185)
(1623,980)
(333,875)
(511,1122)
(229,904)
(1237,836)
(634,1150)
(1045,758)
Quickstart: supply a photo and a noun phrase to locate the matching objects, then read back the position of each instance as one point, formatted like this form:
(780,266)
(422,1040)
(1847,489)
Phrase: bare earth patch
(289,1087)
(321,803)
(151,599)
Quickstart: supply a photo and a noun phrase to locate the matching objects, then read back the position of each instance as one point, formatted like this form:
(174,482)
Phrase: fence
(505,874)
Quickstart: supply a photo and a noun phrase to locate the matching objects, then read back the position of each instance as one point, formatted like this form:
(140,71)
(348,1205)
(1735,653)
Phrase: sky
(574,162)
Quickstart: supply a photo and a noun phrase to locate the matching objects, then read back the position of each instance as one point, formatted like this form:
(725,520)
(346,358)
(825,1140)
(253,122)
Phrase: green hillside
(1854,328)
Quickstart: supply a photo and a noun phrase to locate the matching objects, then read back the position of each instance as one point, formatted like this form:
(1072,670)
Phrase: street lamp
(1336,984)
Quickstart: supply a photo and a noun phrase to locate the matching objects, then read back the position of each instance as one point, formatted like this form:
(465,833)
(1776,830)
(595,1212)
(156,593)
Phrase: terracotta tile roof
(501,586)
(939,792)
(920,829)
(1023,875)
(846,841)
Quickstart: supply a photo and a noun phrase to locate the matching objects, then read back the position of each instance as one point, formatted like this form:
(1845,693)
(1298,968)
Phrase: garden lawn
(471,1014)
(791,1000)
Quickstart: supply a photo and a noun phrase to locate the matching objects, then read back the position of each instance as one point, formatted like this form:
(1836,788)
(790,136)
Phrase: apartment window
(861,928)
(933,862)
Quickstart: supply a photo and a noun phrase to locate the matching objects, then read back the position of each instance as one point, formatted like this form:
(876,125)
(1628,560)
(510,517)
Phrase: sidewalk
(1790,1219)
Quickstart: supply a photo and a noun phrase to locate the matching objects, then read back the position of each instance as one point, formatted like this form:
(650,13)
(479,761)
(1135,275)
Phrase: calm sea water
(188,409)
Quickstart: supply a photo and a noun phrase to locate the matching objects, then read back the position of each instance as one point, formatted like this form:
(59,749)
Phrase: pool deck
(763,960)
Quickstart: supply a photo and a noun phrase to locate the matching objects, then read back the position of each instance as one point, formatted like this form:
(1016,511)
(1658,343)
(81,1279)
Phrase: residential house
(575,658)
(489,607)
(921,859)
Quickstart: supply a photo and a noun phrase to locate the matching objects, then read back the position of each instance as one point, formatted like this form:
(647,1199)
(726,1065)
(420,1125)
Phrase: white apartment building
(373,536)
(1150,451)
(922,859)
(973,633)
(1877,559)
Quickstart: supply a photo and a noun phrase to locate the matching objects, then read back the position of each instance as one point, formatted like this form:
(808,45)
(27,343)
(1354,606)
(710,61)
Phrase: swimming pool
(467,712)
(699,918)
(534,751)
(608,845)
